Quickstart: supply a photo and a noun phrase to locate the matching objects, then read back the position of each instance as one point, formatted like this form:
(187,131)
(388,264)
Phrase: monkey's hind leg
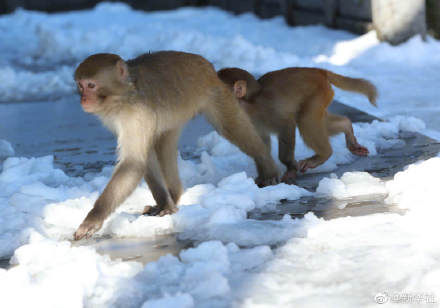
(233,123)
(339,124)
(157,184)
(313,129)
(286,152)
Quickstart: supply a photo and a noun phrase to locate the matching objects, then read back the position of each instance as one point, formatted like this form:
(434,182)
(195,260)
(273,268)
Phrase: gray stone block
(316,5)
(223,4)
(433,17)
(300,17)
(157,5)
(396,21)
(269,8)
(242,6)
(238,7)
(359,9)
(49,5)
(353,25)
(330,12)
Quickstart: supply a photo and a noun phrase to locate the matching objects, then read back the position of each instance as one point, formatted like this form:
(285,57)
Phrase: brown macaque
(282,100)
(145,102)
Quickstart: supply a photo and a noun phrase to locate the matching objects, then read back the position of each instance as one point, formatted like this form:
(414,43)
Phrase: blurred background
(394,20)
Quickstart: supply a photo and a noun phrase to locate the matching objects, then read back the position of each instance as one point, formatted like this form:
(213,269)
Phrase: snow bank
(351,184)
(345,261)
(416,188)
(54,274)
(348,261)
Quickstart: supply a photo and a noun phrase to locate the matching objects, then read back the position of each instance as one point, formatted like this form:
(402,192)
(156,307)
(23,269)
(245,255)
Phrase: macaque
(145,102)
(281,100)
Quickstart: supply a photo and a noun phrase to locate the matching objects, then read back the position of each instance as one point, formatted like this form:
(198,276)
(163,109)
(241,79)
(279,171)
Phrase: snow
(351,184)
(235,261)
(41,208)
(6,149)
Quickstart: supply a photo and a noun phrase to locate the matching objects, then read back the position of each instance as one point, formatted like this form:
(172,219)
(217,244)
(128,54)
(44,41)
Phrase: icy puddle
(150,249)
(384,165)
(143,250)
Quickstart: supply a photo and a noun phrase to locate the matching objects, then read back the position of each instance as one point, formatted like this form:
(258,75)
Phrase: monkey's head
(242,83)
(99,77)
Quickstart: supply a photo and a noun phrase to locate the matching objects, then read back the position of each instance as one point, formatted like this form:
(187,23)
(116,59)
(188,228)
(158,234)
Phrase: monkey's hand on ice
(263,182)
(159,211)
(358,149)
(289,177)
(89,226)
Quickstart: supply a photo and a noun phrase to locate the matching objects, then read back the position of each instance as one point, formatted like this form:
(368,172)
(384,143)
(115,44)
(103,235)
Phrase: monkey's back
(174,80)
(286,91)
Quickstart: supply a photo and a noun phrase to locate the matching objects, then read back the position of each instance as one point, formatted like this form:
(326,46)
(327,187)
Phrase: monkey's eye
(91,85)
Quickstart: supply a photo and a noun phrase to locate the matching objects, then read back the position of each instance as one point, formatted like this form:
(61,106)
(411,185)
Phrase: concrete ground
(80,145)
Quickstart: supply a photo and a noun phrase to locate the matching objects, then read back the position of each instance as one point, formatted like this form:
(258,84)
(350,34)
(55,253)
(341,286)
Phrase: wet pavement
(78,141)
(80,145)
(143,250)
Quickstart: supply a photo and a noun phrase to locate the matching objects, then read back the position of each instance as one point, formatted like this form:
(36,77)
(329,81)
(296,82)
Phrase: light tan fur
(298,97)
(145,102)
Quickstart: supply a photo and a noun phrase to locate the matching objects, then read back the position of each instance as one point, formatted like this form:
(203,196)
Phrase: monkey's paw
(306,164)
(266,182)
(158,211)
(289,177)
(358,149)
(87,229)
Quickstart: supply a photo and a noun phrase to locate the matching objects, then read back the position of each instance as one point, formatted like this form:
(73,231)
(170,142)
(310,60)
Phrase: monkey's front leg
(156,183)
(124,180)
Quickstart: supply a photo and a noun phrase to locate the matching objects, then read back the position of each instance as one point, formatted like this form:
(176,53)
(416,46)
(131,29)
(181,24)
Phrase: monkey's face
(100,77)
(90,89)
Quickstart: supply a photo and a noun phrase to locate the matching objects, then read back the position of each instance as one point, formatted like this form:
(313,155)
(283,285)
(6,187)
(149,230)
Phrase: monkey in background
(145,102)
(281,100)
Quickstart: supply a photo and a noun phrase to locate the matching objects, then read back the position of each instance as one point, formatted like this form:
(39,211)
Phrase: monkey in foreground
(145,102)
(281,100)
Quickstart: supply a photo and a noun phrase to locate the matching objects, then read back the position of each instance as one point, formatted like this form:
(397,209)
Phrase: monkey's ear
(122,70)
(240,88)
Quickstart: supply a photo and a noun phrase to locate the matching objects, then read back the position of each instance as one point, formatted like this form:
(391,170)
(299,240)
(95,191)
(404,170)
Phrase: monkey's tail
(358,85)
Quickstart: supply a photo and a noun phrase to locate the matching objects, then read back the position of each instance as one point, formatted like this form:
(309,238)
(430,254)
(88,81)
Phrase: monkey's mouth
(87,105)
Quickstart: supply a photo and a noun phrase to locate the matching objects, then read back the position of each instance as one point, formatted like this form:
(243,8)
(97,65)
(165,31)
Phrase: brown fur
(298,97)
(145,102)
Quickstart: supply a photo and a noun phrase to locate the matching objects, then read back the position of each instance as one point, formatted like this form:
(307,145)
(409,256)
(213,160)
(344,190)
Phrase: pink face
(88,89)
